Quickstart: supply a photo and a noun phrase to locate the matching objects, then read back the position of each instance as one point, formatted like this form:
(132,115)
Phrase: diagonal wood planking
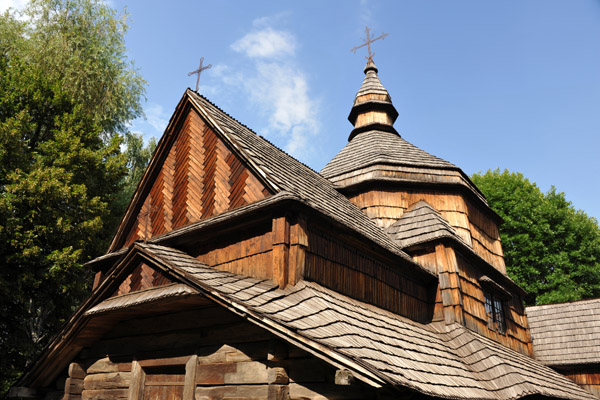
(200,177)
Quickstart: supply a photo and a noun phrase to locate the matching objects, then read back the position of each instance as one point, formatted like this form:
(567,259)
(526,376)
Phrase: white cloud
(366,17)
(275,84)
(266,43)
(157,118)
(14,4)
(282,90)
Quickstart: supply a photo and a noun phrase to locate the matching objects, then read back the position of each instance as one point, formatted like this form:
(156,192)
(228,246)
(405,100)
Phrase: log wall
(347,269)
(272,250)
(386,206)
(204,353)
(199,178)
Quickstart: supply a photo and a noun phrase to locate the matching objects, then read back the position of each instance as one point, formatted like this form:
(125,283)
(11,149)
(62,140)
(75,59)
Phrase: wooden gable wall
(386,205)
(200,177)
(142,277)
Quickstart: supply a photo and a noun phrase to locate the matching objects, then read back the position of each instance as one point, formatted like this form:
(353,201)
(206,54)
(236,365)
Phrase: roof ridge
(250,129)
(310,187)
(562,304)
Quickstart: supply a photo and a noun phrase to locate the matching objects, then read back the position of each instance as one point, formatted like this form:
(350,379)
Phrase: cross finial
(199,71)
(368,42)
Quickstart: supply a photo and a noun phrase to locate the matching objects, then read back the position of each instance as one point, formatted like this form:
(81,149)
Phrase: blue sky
(506,84)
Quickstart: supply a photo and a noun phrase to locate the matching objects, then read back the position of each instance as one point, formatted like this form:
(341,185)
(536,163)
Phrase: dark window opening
(494,308)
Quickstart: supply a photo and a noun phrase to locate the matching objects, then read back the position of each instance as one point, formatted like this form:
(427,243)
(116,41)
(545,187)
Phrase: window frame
(496,311)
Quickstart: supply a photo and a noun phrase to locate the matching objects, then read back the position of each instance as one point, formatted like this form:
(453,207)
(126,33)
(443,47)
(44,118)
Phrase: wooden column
(449,284)
(281,250)
(136,387)
(298,247)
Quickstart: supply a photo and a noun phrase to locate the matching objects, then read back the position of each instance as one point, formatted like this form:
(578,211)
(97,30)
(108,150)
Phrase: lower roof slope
(566,333)
(446,361)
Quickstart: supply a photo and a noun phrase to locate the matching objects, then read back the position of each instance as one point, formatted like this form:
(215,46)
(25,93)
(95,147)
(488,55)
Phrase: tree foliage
(67,93)
(550,249)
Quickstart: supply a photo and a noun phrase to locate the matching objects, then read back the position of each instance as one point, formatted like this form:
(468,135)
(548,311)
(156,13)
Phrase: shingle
(296,178)
(376,147)
(420,224)
(447,361)
(566,333)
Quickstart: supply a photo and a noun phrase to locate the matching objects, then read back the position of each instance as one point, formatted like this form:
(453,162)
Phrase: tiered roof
(375,147)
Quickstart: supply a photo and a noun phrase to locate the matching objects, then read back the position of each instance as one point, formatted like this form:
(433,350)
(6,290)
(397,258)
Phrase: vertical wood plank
(281,247)
(136,387)
(189,386)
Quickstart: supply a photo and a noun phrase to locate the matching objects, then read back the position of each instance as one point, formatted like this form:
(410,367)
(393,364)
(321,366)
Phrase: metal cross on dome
(368,42)
(199,71)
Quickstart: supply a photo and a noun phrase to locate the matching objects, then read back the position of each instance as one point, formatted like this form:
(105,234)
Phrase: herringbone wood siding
(142,277)
(200,177)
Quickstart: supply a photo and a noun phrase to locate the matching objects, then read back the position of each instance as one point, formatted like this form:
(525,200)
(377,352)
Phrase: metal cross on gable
(199,71)
(368,42)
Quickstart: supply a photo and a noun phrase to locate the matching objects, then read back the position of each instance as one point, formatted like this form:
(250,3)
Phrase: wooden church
(238,272)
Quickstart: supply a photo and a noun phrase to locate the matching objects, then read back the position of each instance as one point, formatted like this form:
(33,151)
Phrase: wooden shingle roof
(289,175)
(371,84)
(566,333)
(377,147)
(380,347)
(421,224)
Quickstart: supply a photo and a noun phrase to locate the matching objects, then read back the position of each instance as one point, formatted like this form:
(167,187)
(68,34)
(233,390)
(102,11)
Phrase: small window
(494,308)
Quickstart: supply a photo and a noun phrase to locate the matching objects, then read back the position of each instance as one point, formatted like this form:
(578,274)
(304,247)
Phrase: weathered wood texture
(588,378)
(460,299)
(211,350)
(274,251)
(199,178)
(517,334)
(345,268)
(142,277)
(566,333)
(247,253)
(477,229)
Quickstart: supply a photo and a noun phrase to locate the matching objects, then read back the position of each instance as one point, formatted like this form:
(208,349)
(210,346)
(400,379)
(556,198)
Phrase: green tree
(138,157)
(550,249)
(67,93)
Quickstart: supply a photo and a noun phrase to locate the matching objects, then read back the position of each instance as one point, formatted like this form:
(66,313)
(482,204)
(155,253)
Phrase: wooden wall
(142,277)
(200,177)
(248,252)
(460,298)
(386,206)
(345,268)
(517,334)
(588,378)
(204,353)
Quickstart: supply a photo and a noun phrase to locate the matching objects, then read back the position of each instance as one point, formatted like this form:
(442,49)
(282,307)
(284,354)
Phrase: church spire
(373,108)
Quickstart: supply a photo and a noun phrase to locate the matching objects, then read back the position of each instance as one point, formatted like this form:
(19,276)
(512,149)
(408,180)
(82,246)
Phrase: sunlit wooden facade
(239,272)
